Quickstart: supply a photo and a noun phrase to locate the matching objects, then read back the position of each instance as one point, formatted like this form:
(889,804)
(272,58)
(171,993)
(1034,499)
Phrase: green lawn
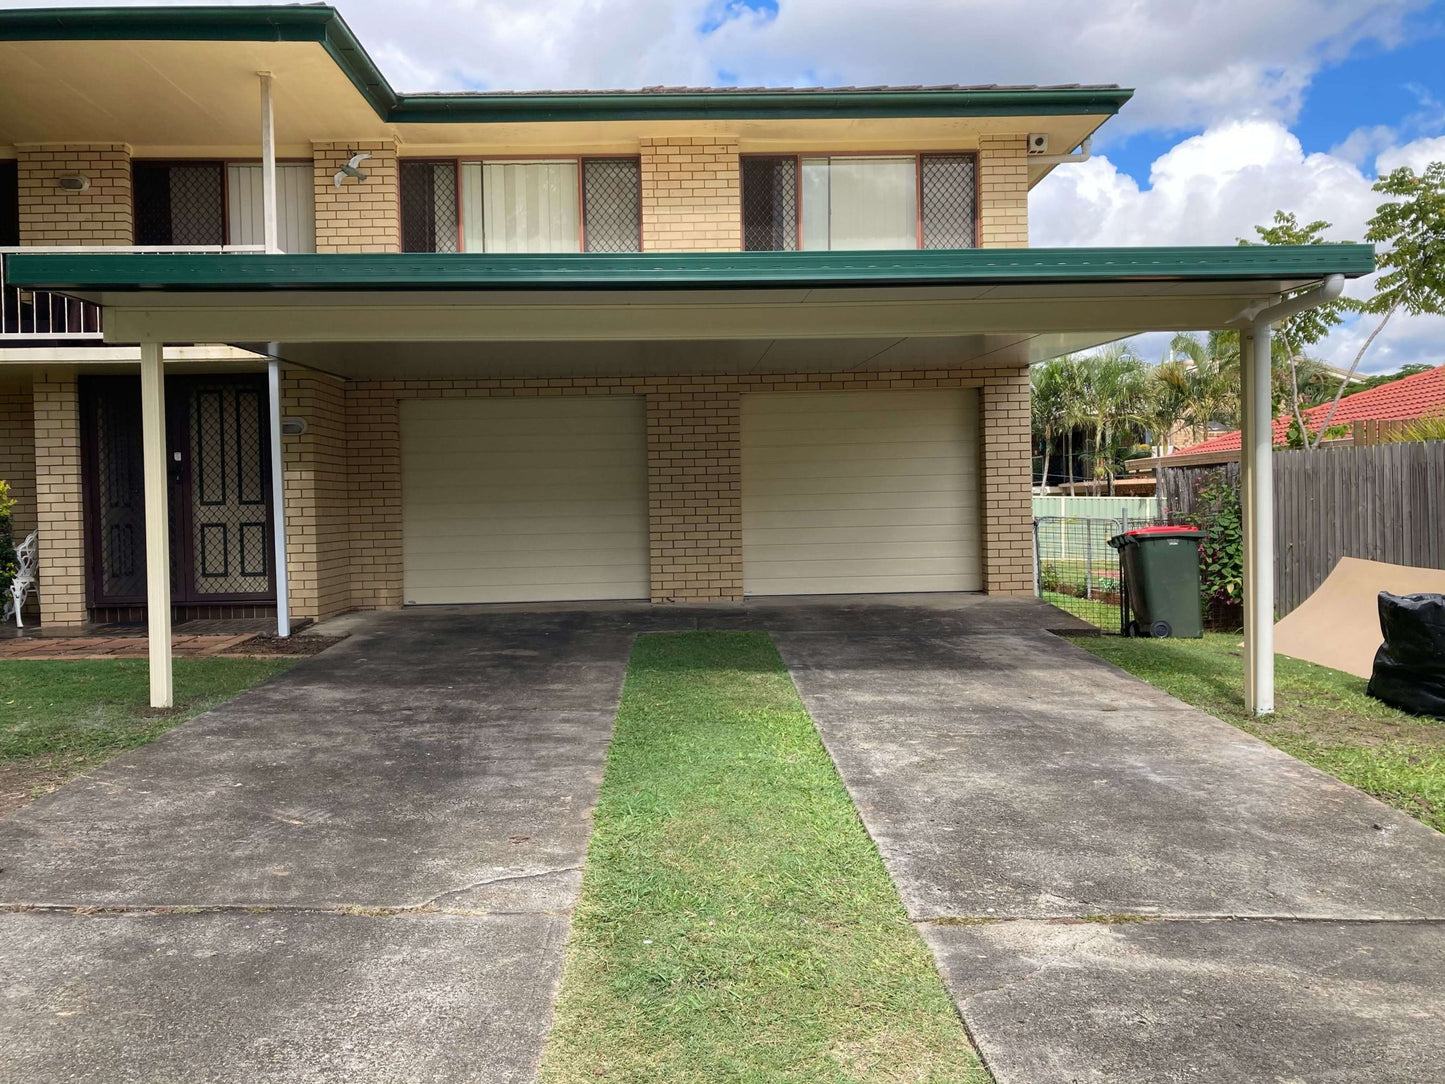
(1321,716)
(736,922)
(60,717)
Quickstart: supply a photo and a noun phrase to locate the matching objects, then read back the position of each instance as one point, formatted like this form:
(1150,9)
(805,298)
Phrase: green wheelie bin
(1159,567)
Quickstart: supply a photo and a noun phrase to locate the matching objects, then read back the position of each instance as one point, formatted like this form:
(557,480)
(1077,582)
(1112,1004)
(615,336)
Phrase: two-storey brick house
(673,344)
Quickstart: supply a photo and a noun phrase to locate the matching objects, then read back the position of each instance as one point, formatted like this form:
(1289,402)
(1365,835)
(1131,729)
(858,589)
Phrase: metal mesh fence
(428,206)
(179,204)
(1077,570)
(612,204)
(950,197)
(770,204)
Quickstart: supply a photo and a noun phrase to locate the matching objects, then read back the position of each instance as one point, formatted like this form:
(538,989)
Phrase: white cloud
(1215,188)
(1197,61)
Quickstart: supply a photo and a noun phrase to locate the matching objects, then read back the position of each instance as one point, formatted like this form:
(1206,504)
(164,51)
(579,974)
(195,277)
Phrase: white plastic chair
(24,581)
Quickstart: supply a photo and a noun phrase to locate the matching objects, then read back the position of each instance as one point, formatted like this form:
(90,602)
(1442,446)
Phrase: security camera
(1038,143)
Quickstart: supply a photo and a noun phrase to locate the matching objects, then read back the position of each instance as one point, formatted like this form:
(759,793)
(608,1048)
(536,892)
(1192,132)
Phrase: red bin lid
(1165,529)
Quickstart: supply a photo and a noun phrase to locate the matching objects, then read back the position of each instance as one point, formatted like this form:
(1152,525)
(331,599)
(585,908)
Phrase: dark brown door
(218,469)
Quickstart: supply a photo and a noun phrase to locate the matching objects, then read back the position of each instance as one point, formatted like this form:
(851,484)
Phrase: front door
(219,489)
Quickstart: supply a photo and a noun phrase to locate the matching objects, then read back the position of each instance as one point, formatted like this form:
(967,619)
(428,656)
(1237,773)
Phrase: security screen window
(854,202)
(429,206)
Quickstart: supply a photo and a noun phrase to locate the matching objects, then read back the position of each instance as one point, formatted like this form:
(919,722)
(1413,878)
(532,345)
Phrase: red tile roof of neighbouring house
(1413,397)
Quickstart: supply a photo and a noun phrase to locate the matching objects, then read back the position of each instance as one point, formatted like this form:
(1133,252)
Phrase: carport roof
(110,273)
(438,316)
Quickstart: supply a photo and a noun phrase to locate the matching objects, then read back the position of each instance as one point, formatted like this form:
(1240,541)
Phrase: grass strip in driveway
(736,922)
(1322,716)
(61,717)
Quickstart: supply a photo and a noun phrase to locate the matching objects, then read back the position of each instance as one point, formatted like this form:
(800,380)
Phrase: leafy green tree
(1052,385)
(1410,226)
(1114,392)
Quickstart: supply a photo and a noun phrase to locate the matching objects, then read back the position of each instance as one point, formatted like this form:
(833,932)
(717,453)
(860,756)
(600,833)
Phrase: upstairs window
(220,203)
(855,202)
(179,204)
(9,205)
(429,221)
(533,205)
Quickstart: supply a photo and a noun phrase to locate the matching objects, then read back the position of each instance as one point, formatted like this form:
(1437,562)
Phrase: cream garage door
(848,492)
(524,500)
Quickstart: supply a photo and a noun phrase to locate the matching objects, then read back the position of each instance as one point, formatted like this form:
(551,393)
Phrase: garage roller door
(524,500)
(857,492)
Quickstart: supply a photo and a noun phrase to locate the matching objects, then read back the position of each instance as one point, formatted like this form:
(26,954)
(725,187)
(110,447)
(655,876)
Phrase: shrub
(1049,578)
(8,564)
(1221,554)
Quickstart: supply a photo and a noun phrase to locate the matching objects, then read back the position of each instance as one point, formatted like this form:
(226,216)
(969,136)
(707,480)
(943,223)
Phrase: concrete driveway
(1120,888)
(361,871)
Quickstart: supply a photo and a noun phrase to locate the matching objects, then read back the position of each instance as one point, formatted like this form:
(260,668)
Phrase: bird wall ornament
(351,170)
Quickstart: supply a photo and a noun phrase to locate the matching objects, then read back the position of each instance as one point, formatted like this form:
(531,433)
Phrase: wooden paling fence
(1382,502)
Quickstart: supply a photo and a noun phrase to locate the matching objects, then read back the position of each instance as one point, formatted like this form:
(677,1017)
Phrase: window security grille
(950,200)
(179,204)
(612,204)
(770,204)
(429,207)
(9,205)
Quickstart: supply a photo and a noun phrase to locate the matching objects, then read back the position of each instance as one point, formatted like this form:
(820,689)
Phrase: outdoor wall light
(75,183)
(293,427)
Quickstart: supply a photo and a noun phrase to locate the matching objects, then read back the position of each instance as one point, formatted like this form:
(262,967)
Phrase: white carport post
(278,501)
(1256,465)
(157,519)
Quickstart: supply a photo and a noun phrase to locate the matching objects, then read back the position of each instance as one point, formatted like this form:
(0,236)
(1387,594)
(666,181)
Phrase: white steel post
(278,504)
(1257,501)
(157,520)
(268,167)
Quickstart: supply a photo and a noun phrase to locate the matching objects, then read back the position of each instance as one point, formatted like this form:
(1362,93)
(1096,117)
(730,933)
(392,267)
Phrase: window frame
(219,163)
(579,161)
(917,157)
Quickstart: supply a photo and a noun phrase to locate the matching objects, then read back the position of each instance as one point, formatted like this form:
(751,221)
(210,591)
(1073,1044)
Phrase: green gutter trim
(217,272)
(324,25)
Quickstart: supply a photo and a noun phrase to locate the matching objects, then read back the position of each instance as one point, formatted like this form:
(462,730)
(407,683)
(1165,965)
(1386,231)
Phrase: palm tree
(1051,383)
(1113,385)
(1212,366)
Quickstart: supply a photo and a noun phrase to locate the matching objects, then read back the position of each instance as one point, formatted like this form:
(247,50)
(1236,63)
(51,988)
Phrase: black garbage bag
(1409,669)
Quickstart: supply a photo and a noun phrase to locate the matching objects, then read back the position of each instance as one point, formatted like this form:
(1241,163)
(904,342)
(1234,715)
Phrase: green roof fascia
(324,25)
(120,272)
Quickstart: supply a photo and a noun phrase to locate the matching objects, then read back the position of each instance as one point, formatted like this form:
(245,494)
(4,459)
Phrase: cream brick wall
(691,194)
(1007,484)
(59,507)
(17,453)
(318,553)
(1003,183)
(360,216)
(694,471)
(694,490)
(49,215)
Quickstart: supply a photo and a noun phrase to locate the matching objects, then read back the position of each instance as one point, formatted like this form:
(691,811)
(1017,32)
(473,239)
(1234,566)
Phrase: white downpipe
(278,503)
(1082,155)
(156,469)
(270,230)
(1257,488)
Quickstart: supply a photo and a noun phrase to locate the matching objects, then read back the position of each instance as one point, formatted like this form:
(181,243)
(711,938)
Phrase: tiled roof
(1413,397)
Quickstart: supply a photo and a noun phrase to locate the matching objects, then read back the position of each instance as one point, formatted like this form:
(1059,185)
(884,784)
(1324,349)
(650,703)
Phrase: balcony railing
(35,316)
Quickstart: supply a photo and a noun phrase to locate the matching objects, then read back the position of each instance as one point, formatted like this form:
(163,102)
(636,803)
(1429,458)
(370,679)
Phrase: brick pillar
(360,216)
(374,480)
(17,454)
(694,491)
(1003,189)
(1007,476)
(318,554)
(59,508)
(691,194)
(51,215)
